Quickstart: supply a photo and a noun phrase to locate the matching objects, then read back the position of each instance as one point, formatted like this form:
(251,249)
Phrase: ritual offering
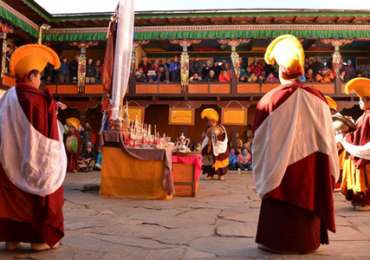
(182,144)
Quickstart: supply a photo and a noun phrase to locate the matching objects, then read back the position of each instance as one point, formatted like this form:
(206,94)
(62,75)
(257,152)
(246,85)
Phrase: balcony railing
(215,89)
(174,89)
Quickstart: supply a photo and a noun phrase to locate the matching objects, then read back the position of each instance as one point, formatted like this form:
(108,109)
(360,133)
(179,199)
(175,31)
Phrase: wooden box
(184,180)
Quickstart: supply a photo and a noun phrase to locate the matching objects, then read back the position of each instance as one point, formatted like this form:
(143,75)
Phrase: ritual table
(136,173)
(186,169)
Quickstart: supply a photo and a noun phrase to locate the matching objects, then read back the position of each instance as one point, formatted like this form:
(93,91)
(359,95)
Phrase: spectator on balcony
(152,76)
(252,78)
(256,68)
(155,66)
(195,78)
(271,78)
(73,68)
(243,77)
(140,75)
(217,68)
(195,66)
(99,71)
(268,69)
(310,77)
(145,65)
(206,68)
(162,74)
(325,75)
(64,72)
(316,65)
(225,76)
(90,72)
(211,77)
(174,70)
(48,74)
(350,71)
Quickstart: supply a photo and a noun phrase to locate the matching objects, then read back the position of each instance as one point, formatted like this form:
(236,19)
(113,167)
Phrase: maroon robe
(361,136)
(25,217)
(296,216)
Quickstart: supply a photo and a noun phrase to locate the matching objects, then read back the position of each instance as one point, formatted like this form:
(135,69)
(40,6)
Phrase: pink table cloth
(195,160)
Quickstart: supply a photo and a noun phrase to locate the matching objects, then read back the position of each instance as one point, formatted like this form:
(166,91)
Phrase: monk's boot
(12,246)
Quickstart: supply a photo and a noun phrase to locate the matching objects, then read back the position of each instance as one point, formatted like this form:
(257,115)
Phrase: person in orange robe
(295,160)
(356,179)
(31,178)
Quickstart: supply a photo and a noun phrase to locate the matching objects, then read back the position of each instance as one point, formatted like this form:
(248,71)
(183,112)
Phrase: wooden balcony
(73,90)
(158,89)
(175,89)
(216,89)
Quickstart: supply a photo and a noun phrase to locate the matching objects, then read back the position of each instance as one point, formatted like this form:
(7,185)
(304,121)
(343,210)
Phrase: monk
(215,144)
(295,160)
(356,172)
(343,125)
(32,156)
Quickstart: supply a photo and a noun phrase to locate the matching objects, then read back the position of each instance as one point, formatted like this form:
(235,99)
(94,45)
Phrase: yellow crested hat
(73,121)
(361,86)
(210,114)
(32,57)
(287,51)
(331,102)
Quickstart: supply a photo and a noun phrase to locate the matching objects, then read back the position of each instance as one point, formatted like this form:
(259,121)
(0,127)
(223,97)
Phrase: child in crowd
(233,160)
(245,160)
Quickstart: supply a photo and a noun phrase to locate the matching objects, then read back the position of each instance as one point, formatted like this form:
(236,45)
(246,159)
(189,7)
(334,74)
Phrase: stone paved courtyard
(219,223)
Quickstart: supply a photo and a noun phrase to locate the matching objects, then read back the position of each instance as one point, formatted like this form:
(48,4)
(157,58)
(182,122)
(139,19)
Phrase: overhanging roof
(206,24)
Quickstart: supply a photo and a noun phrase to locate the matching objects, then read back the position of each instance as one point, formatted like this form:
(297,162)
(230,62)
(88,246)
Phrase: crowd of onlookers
(254,70)
(240,156)
(159,70)
(68,71)
(81,146)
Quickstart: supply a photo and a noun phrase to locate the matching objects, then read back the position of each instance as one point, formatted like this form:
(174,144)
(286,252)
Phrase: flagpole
(123,53)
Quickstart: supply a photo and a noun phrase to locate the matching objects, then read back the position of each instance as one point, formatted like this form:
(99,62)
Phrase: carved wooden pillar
(235,59)
(185,44)
(4,31)
(337,58)
(81,71)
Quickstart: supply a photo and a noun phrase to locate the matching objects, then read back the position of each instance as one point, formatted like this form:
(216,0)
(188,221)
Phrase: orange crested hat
(331,102)
(210,114)
(73,121)
(361,86)
(287,51)
(32,57)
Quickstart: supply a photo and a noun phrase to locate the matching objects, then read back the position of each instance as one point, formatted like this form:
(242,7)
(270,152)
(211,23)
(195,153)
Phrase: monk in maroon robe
(26,217)
(293,169)
(356,181)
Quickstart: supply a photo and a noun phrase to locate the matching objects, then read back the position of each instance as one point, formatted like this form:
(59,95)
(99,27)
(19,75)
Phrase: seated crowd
(256,71)
(240,156)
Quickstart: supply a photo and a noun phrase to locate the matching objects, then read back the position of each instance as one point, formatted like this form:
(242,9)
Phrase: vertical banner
(123,54)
